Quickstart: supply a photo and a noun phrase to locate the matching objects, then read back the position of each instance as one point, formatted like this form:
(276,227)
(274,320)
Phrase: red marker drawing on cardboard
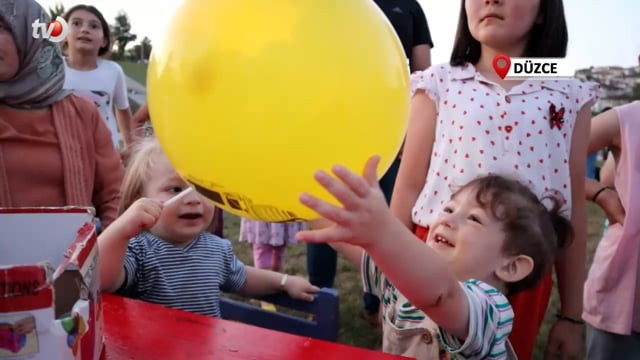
(502,64)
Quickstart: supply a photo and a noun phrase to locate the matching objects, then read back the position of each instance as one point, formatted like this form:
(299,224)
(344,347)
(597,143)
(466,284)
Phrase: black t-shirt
(409,21)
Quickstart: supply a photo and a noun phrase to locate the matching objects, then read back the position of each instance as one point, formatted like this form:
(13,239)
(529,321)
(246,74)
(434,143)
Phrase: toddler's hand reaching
(364,215)
(141,215)
(300,288)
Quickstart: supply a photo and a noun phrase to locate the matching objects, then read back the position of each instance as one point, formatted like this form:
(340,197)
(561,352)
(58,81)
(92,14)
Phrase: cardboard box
(50,301)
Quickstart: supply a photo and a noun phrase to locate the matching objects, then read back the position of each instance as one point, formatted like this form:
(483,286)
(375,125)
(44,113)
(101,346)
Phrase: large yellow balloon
(249,97)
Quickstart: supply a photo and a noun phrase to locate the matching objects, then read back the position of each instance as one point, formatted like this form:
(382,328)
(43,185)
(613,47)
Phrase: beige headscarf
(40,78)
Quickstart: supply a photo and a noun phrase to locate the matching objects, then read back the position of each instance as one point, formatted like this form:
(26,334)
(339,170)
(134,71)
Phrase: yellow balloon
(249,97)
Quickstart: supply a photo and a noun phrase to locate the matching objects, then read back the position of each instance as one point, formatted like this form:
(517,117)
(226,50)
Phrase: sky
(595,39)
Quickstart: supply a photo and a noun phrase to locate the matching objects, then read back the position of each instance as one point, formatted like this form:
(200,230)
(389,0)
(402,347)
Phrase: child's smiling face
(469,237)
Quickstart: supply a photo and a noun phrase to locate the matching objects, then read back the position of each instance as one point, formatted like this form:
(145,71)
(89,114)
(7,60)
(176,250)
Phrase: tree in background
(635,93)
(56,10)
(122,35)
(140,52)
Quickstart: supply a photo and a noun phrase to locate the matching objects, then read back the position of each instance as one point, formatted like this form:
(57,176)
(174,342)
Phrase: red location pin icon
(501,64)
(57,27)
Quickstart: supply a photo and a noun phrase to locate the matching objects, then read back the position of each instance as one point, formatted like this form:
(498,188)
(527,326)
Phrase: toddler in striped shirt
(160,251)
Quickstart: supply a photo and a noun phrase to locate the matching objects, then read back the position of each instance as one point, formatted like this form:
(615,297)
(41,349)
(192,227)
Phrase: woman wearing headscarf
(55,150)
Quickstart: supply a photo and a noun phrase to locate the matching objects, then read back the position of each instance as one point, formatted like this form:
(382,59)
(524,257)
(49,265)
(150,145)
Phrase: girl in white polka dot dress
(466,121)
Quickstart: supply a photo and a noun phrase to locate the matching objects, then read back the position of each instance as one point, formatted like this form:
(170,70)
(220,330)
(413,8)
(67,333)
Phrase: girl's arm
(121,107)
(591,188)
(352,253)
(605,131)
(416,156)
(109,171)
(608,172)
(570,266)
(608,200)
(123,116)
(139,118)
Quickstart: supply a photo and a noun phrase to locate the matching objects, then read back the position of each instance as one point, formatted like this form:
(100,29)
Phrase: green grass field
(354,330)
(137,72)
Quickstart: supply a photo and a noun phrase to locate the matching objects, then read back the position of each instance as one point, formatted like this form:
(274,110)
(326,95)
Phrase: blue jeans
(322,262)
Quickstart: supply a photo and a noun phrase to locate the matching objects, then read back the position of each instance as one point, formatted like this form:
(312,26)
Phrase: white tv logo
(55,31)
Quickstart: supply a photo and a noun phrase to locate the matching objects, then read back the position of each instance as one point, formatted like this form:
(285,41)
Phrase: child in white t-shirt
(99,80)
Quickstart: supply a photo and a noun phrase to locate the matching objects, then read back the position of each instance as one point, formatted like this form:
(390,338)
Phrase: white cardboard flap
(34,235)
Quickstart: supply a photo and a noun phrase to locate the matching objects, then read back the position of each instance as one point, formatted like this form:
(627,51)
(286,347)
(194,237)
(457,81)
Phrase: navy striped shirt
(189,278)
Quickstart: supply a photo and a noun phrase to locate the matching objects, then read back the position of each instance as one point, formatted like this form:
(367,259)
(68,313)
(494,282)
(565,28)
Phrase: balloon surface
(249,97)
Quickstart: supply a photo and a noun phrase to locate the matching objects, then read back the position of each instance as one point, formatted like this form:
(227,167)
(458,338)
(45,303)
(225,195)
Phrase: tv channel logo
(55,31)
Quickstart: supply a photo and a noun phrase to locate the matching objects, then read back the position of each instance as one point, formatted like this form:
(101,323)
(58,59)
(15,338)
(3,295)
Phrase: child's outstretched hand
(141,215)
(364,214)
(300,288)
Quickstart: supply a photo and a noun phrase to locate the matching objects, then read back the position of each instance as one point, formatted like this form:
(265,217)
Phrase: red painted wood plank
(140,331)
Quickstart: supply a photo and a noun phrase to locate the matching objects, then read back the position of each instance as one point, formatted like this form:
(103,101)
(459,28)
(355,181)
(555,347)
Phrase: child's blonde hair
(144,156)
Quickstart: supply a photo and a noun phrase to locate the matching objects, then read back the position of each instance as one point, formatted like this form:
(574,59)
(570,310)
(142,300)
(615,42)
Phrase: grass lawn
(355,331)
(137,72)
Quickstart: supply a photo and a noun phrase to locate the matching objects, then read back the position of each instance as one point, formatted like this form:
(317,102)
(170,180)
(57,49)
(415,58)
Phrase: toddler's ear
(515,268)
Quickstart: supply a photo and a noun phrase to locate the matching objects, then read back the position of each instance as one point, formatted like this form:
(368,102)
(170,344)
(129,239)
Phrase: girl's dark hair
(548,39)
(530,227)
(106,33)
